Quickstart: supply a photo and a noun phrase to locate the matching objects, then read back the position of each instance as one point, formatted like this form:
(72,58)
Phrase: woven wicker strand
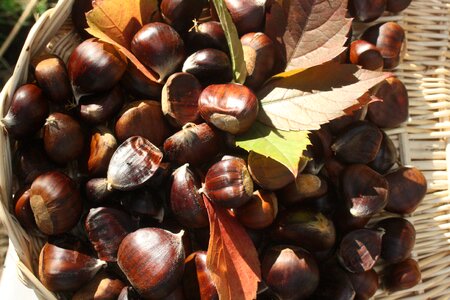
(423,141)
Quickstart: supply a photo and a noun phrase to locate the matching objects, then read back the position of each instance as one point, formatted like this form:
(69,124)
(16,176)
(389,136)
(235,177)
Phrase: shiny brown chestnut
(359,143)
(97,190)
(230,107)
(386,157)
(27,112)
(337,126)
(142,203)
(247,15)
(207,35)
(159,47)
(23,211)
(389,38)
(396,6)
(102,287)
(56,202)
(334,283)
(275,28)
(360,249)
(63,138)
(145,119)
(398,240)
(290,272)
(138,85)
(197,279)
(179,99)
(407,188)
(94,67)
(393,109)
(180,13)
(365,284)
(194,144)
(102,147)
(51,75)
(31,160)
(209,66)
(259,212)
(186,200)
(64,265)
(401,276)
(305,186)
(259,57)
(96,109)
(366,55)
(146,248)
(367,10)
(228,183)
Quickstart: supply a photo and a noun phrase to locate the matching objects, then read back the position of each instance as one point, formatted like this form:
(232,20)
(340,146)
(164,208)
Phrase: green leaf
(234,43)
(286,147)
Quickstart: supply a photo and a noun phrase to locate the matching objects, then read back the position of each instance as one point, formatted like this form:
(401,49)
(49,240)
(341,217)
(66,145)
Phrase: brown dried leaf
(232,257)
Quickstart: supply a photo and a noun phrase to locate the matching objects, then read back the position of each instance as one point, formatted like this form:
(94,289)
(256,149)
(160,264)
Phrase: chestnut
(106,228)
(197,279)
(366,55)
(305,186)
(345,221)
(64,265)
(230,107)
(31,160)
(407,188)
(103,145)
(228,183)
(78,14)
(337,126)
(247,15)
(142,203)
(138,85)
(139,254)
(145,119)
(360,249)
(194,144)
(97,190)
(180,13)
(259,212)
(401,276)
(365,192)
(102,286)
(179,99)
(393,110)
(367,10)
(334,283)
(396,6)
(63,138)
(207,35)
(389,38)
(210,66)
(56,202)
(51,75)
(386,157)
(398,240)
(259,57)
(23,211)
(100,108)
(275,28)
(365,284)
(186,200)
(159,47)
(290,272)
(359,143)
(27,112)
(94,67)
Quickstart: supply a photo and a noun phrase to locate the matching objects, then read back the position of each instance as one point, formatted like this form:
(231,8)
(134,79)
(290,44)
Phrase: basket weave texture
(423,141)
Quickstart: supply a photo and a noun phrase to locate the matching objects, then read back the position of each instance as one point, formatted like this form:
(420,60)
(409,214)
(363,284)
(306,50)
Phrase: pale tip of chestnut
(225,122)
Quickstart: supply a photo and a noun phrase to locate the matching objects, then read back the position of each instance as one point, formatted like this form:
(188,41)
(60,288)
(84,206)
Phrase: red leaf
(232,257)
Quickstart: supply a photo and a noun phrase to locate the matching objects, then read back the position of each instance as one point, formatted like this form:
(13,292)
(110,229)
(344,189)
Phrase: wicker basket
(422,141)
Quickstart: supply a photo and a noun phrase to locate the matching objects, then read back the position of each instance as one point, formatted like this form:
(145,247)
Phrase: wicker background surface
(422,141)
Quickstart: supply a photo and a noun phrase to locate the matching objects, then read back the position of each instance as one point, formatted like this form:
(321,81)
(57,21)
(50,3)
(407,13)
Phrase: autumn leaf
(231,258)
(315,96)
(286,147)
(116,21)
(234,43)
(316,31)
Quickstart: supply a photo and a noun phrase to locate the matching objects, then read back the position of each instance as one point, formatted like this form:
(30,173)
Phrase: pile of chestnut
(112,168)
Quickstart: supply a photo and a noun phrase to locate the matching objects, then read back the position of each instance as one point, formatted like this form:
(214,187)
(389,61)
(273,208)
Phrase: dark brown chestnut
(398,240)
(401,276)
(96,109)
(159,47)
(207,35)
(142,203)
(102,287)
(367,10)
(180,13)
(103,145)
(260,211)
(386,157)
(186,200)
(247,15)
(396,6)
(94,67)
(230,107)
(305,186)
(63,138)
(23,211)
(194,144)
(337,126)
(138,85)
(79,10)
(365,192)
(228,183)
(56,202)
(145,119)
(64,265)
(197,279)
(365,284)
(360,249)
(31,160)
(358,144)
(334,283)
(179,99)
(51,75)
(366,55)
(153,261)
(259,57)
(290,272)
(407,188)
(275,28)
(97,190)
(209,66)
(304,228)
(389,38)
(393,109)
(27,112)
